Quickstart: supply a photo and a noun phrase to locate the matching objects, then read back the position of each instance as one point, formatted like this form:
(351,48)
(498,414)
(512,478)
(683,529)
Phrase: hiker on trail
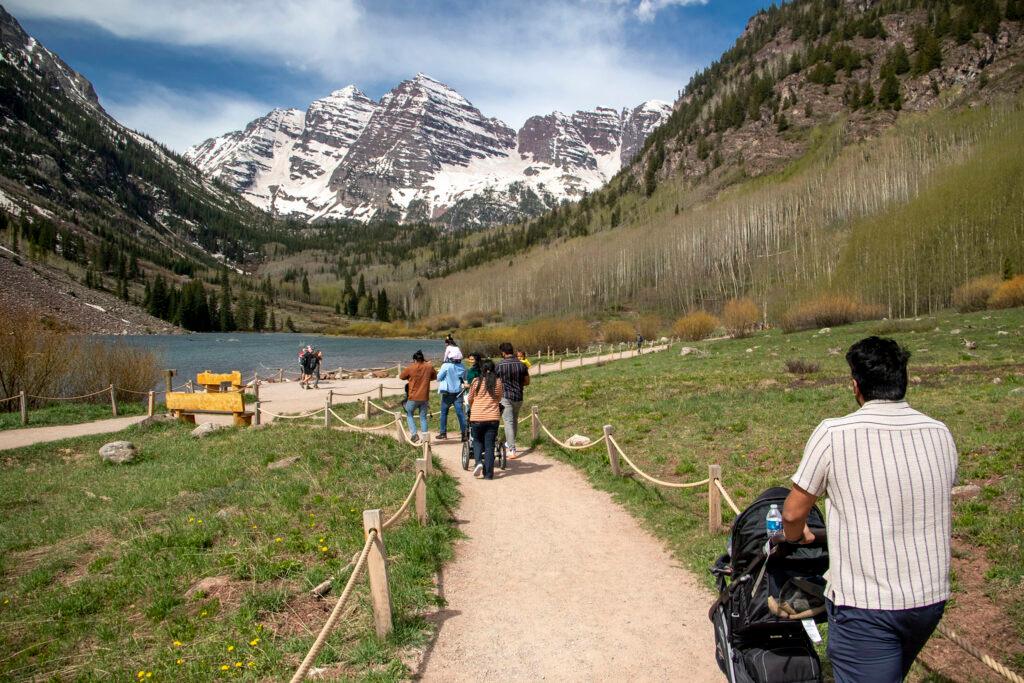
(514,376)
(521,355)
(485,396)
(305,360)
(318,359)
(449,384)
(451,349)
(639,343)
(887,470)
(419,375)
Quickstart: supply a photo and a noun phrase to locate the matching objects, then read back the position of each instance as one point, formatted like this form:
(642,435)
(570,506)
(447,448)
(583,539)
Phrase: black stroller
(768,597)
(500,451)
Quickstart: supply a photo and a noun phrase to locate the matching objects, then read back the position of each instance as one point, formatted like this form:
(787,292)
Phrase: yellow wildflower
(277,540)
(177,643)
(254,642)
(141,674)
(231,648)
(323,549)
(180,661)
(251,664)
(224,667)
(203,613)
(238,665)
(149,674)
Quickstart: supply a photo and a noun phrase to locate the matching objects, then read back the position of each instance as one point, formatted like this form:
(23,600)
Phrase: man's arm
(794,515)
(526,375)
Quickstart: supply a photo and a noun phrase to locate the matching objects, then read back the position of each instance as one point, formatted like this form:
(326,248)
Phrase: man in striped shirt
(887,470)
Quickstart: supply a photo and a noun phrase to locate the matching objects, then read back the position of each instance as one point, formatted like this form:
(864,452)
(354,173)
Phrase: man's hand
(794,515)
(808,536)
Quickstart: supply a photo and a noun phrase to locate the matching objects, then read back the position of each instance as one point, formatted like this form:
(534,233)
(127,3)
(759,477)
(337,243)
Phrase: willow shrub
(696,326)
(1009,294)
(740,317)
(974,294)
(830,310)
(615,331)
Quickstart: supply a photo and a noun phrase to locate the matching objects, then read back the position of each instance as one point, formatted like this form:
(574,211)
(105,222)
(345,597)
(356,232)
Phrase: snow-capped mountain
(422,152)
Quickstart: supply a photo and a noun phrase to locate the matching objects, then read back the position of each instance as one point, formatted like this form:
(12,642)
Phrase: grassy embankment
(739,407)
(97,561)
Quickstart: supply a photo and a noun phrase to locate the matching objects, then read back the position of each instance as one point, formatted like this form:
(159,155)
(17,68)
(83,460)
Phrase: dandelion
(312,524)
(177,643)
(7,601)
(141,674)
(323,549)
(321,540)
(224,667)
(191,520)
(149,674)
(254,642)
(238,665)
(199,521)
(203,613)
(277,540)
(251,664)
(231,648)
(179,661)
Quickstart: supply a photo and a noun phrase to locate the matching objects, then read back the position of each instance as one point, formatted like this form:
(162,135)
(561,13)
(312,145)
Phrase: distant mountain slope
(423,152)
(63,157)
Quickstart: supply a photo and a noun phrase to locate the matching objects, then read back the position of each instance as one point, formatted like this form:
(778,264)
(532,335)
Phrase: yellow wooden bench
(184,406)
(213,380)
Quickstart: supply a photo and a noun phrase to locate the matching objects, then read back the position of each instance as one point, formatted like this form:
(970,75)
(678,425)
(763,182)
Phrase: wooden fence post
(256,414)
(560,361)
(380,391)
(399,369)
(24,407)
(327,411)
(377,569)
(280,375)
(534,423)
(366,407)
(398,429)
(256,385)
(613,454)
(714,500)
(421,490)
(113,401)
(150,404)
(168,379)
(428,456)
(191,387)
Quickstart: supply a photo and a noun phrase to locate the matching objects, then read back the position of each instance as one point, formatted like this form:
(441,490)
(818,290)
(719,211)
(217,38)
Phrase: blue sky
(184,70)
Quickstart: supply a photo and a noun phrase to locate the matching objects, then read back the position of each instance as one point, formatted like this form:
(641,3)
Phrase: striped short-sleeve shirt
(887,470)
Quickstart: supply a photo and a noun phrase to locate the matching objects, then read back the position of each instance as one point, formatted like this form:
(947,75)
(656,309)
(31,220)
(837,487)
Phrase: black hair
(418,356)
(505,348)
(880,367)
(488,377)
(449,340)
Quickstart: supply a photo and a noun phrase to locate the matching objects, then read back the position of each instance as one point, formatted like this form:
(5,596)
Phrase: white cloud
(511,59)
(181,119)
(646,10)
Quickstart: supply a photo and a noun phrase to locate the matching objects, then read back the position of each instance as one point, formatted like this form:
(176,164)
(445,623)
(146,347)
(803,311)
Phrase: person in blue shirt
(449,384)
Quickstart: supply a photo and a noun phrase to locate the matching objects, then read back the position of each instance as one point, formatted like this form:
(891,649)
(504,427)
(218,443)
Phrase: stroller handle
(820,540)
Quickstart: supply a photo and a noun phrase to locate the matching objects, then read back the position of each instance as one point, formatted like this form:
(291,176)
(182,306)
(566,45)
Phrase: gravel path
(556,581)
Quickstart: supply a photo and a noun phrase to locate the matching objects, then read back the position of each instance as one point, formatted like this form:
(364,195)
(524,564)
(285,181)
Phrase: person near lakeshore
(450,379)
(888,471)
(485,396)
(318,360)
(514,377)
(521,355)
(451,349)
(303,352)
(639,343)
(308,362)
(418,374)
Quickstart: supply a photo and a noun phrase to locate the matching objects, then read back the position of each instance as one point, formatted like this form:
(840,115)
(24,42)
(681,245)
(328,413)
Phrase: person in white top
(452,352)
(888,471)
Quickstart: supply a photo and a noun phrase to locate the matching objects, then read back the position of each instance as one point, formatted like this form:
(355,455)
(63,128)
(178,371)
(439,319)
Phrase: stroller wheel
(465,454)
(503,456)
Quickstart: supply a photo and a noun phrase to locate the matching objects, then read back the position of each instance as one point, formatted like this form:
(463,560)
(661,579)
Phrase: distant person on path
(307,361)
(521,355)
(887,470)
(639,343)
(450,379)
(303,350)
(318,360)
(514,376)
(419,375)
(451,349)
(485,396)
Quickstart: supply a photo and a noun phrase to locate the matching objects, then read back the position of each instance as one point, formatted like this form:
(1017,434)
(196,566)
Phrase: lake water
(264,353)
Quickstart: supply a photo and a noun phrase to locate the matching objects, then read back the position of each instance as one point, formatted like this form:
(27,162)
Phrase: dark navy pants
(877,645)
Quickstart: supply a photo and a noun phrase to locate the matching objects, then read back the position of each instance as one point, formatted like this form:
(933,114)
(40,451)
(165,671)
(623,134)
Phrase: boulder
(283,462)
(687,350)
(1019,391)
(997,380)
(916,379)
(118,452)
(159,418)
(206,429)
(577,440)
(966,492)
(825,330)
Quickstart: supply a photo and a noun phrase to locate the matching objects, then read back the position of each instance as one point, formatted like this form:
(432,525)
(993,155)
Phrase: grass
(737,406)
(68,413)
(97,561)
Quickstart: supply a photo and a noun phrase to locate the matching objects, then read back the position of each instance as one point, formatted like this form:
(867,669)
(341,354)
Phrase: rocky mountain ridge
(424,152)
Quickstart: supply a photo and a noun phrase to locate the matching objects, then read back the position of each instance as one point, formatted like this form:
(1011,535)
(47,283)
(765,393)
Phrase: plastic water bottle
(773,521)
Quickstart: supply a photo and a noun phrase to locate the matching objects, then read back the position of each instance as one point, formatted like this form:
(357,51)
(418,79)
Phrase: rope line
(383,409)
(361,428)
(978,654)
(651,479)
(566,445)
(725,494)
(291,417)
(70,398)
(307,662)
(9,398)
(405,506)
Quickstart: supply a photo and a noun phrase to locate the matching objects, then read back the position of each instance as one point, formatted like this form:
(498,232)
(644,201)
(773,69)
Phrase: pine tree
(383,312)
(889,96)
(929,51)
(273,321)
(898,60)
(337,308)
(305,286)
(361,291)
(867,95)
(259,316)
(1015,10)
(289,325)
(243,312)
(227,319)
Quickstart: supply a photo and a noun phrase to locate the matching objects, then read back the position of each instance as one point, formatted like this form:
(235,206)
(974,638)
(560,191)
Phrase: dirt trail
(556,581)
